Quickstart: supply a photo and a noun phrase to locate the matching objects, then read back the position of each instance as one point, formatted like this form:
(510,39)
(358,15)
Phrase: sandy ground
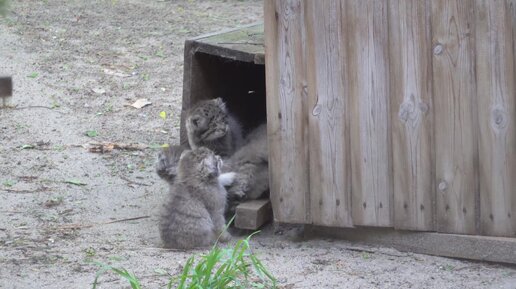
(76,65)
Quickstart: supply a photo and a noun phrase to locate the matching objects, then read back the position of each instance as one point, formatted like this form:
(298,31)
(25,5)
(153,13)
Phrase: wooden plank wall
(327,120)
(495,45)
(455,112)
(394,113)
(411,114)
(287,123)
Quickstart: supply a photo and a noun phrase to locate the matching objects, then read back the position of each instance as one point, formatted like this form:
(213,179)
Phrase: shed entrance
(231,65)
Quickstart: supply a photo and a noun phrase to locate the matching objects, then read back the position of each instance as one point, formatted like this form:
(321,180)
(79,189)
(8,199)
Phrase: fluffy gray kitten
(251,165)
(209,124)
(194,215)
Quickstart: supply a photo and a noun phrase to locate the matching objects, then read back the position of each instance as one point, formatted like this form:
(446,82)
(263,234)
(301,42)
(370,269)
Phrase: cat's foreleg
(219,223)
(226,179)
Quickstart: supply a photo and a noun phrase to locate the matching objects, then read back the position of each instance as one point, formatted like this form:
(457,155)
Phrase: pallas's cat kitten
(194,214)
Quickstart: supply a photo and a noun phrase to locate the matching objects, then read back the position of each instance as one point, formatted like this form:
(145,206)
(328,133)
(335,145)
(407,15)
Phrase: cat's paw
(236,194)
(226,179)
(161,164)
(165,169)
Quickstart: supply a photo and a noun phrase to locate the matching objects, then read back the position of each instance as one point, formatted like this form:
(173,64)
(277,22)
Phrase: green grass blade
(185,274)
(135,284)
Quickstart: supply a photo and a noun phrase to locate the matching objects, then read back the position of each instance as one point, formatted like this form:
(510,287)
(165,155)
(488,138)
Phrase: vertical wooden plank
(497,112)
(411,114)
(286,118)
(455,115)
(327,110)
(369,112)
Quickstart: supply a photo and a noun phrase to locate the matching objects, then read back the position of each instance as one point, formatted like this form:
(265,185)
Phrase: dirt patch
(76,65)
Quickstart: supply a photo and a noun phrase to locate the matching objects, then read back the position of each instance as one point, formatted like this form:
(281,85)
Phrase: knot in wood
(411,110)
(499,118)
(423,107)
(406,108)
(317,110)
(443,186)
(438,49)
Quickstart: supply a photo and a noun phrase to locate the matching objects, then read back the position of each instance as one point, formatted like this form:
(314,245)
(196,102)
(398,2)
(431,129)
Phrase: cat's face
(200,162)
(208,120)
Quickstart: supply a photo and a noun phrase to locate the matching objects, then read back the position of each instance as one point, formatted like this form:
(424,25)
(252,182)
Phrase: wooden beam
(483,248)
(251,215)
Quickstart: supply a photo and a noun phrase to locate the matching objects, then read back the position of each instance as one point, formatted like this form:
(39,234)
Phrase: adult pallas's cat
(209,124)
(251,166)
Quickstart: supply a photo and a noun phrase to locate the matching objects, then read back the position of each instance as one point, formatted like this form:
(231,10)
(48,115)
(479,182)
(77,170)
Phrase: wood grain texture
(330,171)
(287,124)
(411,114)
(369,112)
(455,116)
(497,112)
(191,71)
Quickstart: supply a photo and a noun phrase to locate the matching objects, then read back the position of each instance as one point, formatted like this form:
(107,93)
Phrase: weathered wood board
(368,67)
(287,125)
(253,214)
(495,84)
(456,122)
(328,124)
(411,114)
(393,113)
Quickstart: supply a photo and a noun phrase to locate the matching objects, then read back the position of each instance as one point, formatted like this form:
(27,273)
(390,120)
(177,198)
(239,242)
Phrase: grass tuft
(235,267)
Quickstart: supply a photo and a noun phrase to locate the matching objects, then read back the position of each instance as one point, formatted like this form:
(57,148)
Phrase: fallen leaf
(160,54)
(98,90)
(115,73)
(142,102)
(92,133)
(155,146)
(161,271)
(33,75)
(163,115)
(8,183)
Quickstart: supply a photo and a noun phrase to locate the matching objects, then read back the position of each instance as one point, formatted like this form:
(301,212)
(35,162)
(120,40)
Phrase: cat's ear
(208,165)
(220,103)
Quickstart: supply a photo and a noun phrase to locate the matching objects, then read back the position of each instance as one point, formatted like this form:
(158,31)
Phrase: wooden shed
(396,113)
(384,117)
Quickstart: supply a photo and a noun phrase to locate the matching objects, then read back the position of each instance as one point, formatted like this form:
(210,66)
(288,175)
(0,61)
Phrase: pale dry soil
(76,65)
